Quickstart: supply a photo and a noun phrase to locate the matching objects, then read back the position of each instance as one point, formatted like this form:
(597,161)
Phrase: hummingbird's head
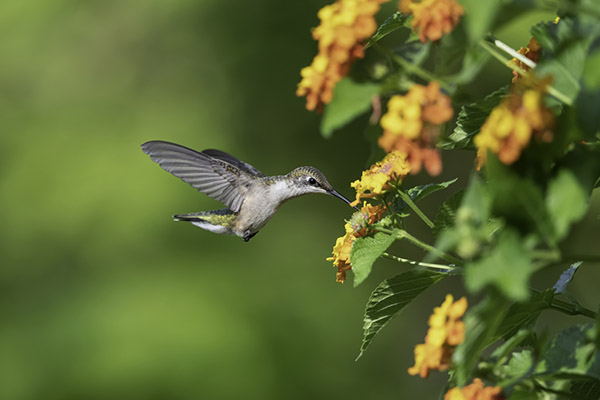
(311,180)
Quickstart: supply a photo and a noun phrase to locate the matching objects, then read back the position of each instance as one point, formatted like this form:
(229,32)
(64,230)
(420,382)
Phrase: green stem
(418,263)
(402,234)
(413,68)
(416,209)
(552,91)
(571,309)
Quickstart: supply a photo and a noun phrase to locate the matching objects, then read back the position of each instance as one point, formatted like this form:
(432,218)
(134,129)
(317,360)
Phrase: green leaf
(391,296)
(350,99)
(507,267)
(563,55)
(481,324)
(519,200)
(591,77)
(571,353)
(523,314)
(479,16)
(417,193)
(446,216)
(365,251)
(470,119)
(588,389)
(566,201)
(523,395)
(393,23)
(520,364)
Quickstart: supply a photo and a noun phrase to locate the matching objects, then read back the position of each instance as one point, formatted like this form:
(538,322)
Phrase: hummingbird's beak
(339,196)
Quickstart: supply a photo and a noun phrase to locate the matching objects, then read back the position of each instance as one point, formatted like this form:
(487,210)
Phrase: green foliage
(390,298)
(514,218)
(365,251)
(350,99)
(507,267)
(469,121)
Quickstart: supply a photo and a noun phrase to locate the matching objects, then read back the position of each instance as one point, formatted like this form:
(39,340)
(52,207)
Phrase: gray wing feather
(218,174)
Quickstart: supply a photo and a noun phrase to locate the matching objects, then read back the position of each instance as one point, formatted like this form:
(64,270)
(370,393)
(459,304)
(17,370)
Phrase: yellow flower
(344,25)
(375,180)
(411,125)
(356,227)
(475,391)
(446,331)
(510,126)
(432,18)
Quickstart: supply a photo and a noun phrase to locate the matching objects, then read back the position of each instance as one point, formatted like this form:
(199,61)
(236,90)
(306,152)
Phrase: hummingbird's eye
(312,181)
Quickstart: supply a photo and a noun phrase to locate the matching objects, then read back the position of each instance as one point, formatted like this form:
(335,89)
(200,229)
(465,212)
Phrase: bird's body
(251,197)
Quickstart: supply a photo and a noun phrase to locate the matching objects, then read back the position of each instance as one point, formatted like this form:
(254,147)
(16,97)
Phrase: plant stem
(402,234)
(571,309)
(413,68)
(418,263)
(552,91)
(414,207)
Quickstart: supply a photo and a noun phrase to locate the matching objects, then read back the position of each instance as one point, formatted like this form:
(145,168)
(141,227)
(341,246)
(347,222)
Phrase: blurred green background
(101,294)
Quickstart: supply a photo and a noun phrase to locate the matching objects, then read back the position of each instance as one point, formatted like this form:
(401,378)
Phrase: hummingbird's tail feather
(217,221)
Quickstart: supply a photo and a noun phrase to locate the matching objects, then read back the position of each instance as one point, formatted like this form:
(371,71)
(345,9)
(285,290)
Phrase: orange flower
(344,25)
(446,331)
(432,18)
(510,126)
(412,124)
(375,180)
(532,51)
(356,227)
(475,391)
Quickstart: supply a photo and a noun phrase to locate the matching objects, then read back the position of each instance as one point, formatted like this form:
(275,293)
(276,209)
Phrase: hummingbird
(251,198)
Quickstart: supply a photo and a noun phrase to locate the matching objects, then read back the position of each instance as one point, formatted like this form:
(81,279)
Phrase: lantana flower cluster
(475,391)
(446,331)
(432,18)
(356,227)
(510,126)
(376,179)
(412,126)
(344,26)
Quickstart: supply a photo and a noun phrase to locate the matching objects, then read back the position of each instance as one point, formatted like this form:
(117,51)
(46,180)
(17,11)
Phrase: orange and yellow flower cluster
(376,179)
(510,126)
(344,25)
(432,18)
(356,227)
(475,391)
(412,126)
(446,331)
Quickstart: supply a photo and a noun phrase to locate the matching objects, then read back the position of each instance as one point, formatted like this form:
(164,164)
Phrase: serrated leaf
(566,201)
(365,251)
(571,353)
(470,119)
(393,23)
(390,298)
(350,99)
(519,364)
(447,214)
(507,267)
(588,389)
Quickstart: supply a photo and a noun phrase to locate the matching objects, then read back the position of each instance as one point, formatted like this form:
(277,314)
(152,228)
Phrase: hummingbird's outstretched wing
(216,173)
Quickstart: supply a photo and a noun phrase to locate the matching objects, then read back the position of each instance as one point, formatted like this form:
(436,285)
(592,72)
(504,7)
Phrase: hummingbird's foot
(247,235)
